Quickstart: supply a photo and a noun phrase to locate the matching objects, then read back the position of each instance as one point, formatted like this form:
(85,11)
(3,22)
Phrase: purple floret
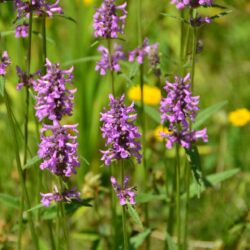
(56,196)
(107,63)
(25,80)
(58,149)
(178,110)
(53,98)
(22,31)
(180,4)
(120,132)
(109,19)
(4,63)
(125,194)
(145,50)
(38,7)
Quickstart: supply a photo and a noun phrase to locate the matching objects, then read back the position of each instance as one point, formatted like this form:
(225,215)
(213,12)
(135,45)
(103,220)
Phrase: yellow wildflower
(151,94)
(88,2)
(239,117)
(159,130)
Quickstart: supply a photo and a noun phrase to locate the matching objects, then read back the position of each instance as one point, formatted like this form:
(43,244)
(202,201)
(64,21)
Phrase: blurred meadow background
(220,218)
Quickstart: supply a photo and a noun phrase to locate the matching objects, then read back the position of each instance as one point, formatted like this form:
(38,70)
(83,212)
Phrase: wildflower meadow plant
(143,149)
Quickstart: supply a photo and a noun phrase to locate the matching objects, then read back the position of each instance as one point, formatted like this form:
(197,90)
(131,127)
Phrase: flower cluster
(199,20)
(22,30)
(107,22)
(4,63)
(145,50)
(25,80)
(180,4)
(38,7)
(54,100)
(125,194)
(178,110)
(59,149)
(120,132)
(108,62)
(66,196)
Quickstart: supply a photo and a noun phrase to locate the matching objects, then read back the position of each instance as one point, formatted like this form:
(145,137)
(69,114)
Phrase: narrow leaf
(32,162)
(137,240)
(9,200)
(35,208)
(221,14)
(153,113)
(195,164)
(67,18)
(134,215)
(175,17)
(81,60)
(213,180)
(207,113)
(171,243)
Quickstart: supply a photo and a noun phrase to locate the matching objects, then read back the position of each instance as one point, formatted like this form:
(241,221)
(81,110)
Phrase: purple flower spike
(180,4)
(198,21)
(59,149)
(119,131)
(107,21)
(178,110)
(125,194)
(66,196)
(104,64)
(4,63)
(53,98)
(145,50)
(38,7)
(22,31)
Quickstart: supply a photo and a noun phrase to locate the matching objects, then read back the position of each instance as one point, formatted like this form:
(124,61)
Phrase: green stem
(125,234)
(51,236)
(177,197)
(20,231)
(143,125)
(111,71)
(113,212)
(26,134)
(182,41)
(58,231)
(194,45)
(19,168)
(185,241)
(44,40)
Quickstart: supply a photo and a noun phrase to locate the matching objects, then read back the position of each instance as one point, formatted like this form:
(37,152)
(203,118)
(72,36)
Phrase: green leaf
(175,17)
(35,208)
(221,14)
(212,180)
(81,60)
(67,18)
(84,160)
(138,239)
(145,198)
(134,215)
(70,208)
(50,212)
(195,164)
(32,162)
(171,243)
(48,39)
(207,113)
(153,113)
(9,200)
(2,85)
(86,235)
